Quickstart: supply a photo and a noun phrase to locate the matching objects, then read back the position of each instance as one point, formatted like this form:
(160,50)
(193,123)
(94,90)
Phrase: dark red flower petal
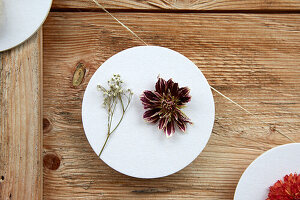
(183,117)
(181,125)
(150,95)
(158,95)
(163,106)
(185,100)
(151,113)
(149,103)
(174,91)
(162,123)
(153,119)
(160,86)
(145,101)
(170,128)
(183,92)
(151,106)
(175,116)
(182,120)
(170,84)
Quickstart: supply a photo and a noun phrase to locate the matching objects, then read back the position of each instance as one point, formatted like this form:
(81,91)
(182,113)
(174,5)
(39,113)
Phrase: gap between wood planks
(112,10)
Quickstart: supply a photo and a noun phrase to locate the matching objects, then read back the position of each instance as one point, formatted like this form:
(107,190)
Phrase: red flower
(163,106)
(289,189)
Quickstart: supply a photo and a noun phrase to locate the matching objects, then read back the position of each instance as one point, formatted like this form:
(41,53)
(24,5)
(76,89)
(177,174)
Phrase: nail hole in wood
(272,128)
(51,161)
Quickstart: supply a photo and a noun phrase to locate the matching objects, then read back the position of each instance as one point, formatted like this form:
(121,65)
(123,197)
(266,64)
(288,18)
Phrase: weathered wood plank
(183,4)
(252,58)
(20,121)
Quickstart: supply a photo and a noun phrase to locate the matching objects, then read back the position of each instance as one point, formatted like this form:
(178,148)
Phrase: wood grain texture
(20,121)
(252,58)
(183,4)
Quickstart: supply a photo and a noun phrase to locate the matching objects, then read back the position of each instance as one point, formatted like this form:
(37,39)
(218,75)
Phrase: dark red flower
(163,106)
(288,189)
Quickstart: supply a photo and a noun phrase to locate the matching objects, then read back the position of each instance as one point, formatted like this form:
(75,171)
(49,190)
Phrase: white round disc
(137,148)
(264,171)
(20,19)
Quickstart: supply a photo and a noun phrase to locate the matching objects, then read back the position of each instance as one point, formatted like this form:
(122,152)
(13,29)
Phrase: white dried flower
(111,97)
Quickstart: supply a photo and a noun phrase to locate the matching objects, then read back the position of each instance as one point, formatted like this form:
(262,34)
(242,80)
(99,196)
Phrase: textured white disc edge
(20,19)
(265,170)
(139,149)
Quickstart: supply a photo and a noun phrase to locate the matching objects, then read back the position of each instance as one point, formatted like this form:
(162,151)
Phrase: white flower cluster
(115,90)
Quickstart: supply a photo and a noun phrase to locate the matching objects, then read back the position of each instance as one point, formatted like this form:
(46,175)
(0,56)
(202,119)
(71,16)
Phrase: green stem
(124,110)
(121,103)
(109,133)
(118,124)
(108,124)
(110,120)
(112,113)
(104,144)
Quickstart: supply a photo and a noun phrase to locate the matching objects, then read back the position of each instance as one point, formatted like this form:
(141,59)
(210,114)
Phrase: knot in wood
(51,161)
(46,125)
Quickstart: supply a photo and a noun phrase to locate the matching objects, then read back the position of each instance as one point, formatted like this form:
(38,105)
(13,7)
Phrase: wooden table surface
(249,50)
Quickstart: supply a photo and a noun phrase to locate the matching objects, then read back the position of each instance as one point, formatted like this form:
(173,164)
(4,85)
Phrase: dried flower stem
(112,96)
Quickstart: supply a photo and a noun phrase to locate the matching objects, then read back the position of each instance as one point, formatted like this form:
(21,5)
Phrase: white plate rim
(30,35)
(256,160)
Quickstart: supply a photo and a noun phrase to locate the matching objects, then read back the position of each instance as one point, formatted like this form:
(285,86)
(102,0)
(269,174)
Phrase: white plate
(20,19)
(266,170)
(138,148)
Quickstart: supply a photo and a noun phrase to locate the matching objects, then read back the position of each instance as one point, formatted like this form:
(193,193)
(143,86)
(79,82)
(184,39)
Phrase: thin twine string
(230,100)
(128,29)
